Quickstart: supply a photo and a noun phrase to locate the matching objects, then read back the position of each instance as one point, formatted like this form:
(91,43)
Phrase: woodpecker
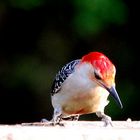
(82,87)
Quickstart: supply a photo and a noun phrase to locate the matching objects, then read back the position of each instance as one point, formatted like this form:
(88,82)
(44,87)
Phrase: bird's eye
(97,76)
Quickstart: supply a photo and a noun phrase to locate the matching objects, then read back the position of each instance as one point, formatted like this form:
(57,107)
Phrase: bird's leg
(57,116)
(106,119)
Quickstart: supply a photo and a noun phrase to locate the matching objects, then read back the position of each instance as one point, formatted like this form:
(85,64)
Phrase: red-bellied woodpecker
(83,86)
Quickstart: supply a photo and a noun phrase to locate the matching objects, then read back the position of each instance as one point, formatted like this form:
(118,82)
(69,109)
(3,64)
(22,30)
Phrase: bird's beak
(115,95)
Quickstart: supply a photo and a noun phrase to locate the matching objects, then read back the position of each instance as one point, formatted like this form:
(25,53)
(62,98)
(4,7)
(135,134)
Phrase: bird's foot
(51,122)
(107,120)
(54,123)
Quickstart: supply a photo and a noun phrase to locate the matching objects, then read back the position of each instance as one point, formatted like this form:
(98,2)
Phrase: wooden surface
(81,130)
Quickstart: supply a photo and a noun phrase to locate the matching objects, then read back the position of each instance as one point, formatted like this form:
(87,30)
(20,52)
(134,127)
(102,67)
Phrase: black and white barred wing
(62,75)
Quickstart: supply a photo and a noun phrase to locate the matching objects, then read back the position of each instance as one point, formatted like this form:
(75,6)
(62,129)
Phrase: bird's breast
(86,102)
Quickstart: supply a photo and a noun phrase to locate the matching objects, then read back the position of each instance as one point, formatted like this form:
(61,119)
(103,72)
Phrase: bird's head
(103,73)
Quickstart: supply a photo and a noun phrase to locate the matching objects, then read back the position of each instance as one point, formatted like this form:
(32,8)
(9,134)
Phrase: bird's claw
(107,120)
(51,123)
(56,123)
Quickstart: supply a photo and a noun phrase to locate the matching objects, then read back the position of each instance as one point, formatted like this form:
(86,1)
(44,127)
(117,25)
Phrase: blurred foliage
(94,15)
(38,37)
(25,4)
